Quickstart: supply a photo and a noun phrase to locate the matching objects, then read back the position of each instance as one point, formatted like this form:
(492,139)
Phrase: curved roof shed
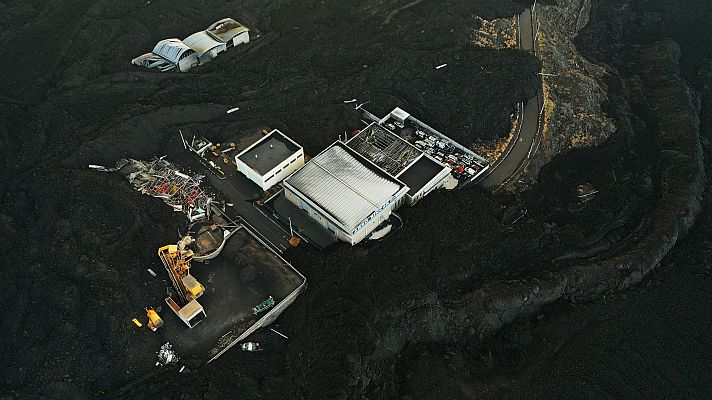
(172,49)
(204,45)
(226,30)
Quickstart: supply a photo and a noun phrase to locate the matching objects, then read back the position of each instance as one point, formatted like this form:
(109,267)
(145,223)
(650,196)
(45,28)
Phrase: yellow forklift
(183,299)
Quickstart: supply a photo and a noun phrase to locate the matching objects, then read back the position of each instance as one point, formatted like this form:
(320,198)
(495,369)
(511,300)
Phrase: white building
(229,31)
(271,159)
(177,53)
(345,192)
(423,176)
(205,45)
(200,47)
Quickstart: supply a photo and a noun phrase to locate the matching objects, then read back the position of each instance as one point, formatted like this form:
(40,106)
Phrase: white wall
(243,37)
(248,172)
(188,62)
(342,235)
(283,170)
(276,175)
(435,183)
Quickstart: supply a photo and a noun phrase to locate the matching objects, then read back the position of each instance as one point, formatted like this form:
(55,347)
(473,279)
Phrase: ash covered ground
(74,239)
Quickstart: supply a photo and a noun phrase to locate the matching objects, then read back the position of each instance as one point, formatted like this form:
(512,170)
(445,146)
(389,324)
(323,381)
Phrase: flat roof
(345,185)
(420,173)
(268,152)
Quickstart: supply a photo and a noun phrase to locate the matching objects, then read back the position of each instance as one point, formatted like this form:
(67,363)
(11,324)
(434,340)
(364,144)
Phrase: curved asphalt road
(526,136)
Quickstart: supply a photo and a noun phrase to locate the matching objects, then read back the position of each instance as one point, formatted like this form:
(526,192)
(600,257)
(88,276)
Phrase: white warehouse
(271,159)
(345,192)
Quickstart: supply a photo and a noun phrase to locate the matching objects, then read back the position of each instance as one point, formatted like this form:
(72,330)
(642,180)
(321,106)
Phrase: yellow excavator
(154,320)
(183,300)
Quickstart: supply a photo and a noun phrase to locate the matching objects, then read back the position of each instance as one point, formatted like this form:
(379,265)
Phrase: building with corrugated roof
(345,192)
(205,45)
(178,53)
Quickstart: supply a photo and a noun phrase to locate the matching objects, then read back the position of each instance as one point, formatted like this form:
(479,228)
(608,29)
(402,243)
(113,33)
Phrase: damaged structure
(249,272)
(159,178)
(198,48)
(353,186)
(230,32)
(400,159)
(169,55)
(466,166)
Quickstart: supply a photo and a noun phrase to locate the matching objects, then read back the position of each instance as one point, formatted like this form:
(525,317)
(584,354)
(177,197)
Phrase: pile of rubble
(159,178)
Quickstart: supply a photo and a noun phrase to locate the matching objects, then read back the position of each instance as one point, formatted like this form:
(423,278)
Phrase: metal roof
(201,42)
(171,49)
(344,186)
(226,29)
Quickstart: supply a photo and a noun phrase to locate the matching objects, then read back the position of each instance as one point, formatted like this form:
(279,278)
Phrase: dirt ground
(77,243)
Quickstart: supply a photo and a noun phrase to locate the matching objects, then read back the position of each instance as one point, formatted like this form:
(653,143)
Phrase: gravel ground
(77,242)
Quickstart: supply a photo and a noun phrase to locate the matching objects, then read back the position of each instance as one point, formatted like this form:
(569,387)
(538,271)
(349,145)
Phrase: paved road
(526,136)
(518,150)
(241,192)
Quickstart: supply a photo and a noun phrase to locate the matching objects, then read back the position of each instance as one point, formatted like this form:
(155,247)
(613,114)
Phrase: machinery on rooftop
(183,299)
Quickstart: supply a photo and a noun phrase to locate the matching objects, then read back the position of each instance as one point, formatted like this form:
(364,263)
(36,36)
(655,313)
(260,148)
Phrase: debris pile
(159,178)
(166,355)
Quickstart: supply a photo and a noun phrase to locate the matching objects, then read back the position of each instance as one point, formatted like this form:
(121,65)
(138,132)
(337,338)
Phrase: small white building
(205,45)
(345,192)
(271,159)
(177,53)
(229,31)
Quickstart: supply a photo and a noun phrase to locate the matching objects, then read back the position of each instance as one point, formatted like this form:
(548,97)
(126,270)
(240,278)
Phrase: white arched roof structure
(202,43)
(172,50)
(226,29)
